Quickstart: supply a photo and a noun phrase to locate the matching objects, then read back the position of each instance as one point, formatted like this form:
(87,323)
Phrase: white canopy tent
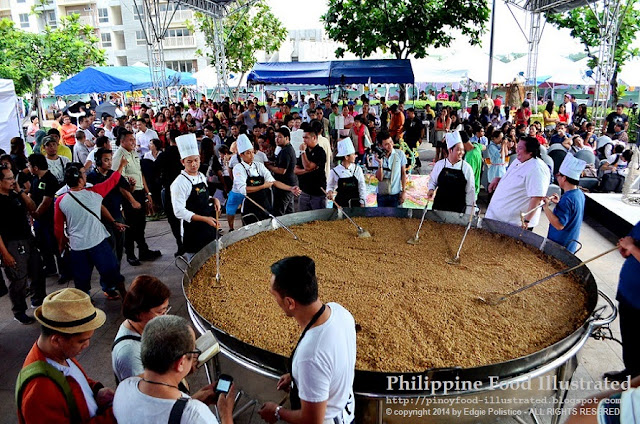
(457,67)
(9,120)
(630,74)
(208,78)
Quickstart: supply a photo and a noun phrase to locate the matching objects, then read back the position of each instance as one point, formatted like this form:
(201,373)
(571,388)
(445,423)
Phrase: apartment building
(118,27)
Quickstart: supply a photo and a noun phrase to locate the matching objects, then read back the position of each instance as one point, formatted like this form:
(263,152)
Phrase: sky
(508,36)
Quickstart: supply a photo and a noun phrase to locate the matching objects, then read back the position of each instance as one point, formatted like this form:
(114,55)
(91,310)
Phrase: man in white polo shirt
(522,188)
(144,137)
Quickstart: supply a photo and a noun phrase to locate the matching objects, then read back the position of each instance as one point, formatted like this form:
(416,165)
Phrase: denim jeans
(388,200)
(102,257)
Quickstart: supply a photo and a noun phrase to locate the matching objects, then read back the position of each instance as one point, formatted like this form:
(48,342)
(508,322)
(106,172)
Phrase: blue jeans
(103,258)
(388,200)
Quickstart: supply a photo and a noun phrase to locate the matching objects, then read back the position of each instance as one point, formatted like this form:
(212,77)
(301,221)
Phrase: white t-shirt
(83,229)
(324,362)
(56,167)
(125,356)
(242,171)
(521,182)
(470,189)
(73,371)
(131,406)
(143,139)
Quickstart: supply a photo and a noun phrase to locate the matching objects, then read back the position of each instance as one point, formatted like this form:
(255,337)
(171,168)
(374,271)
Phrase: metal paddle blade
(454,261)
(413,240)
(491,299)
(362,233)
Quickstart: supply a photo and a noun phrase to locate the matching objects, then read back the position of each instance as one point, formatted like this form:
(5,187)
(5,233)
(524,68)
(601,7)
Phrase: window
(180,32)
(106,39)
(22,1)
(51,19)
(24,20)
(140,38)
(103,15)
(181,65)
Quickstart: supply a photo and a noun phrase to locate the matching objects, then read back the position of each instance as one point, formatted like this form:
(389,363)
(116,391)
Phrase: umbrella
(74,107)
(106,107)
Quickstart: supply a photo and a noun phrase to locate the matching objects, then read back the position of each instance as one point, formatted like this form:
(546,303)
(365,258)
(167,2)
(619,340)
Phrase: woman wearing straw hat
(52,387)
(347,178)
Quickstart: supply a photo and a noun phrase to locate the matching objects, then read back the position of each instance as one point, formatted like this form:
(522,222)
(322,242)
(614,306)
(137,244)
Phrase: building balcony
(5,5)
(179,42)
(75,2)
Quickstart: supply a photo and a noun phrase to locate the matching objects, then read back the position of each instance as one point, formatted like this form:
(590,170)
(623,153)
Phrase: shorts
(233,202)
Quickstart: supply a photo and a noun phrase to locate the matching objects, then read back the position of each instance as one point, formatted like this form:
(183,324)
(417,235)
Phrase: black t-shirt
(41,188)
(14,224)
(286,159)
(412,130)
(113,200)
(313,182)
(614,118)
(169,165)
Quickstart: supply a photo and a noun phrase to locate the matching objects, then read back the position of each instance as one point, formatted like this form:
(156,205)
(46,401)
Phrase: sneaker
(112,295)
(35,302)
(23,318)
(617,375)
(133,261)
(63,279)
(150,255)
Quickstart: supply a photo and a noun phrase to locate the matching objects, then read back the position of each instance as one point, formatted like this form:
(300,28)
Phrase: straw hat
(69,311)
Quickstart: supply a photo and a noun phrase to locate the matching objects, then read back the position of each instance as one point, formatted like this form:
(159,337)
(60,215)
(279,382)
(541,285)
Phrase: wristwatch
(277,412)
(149,194)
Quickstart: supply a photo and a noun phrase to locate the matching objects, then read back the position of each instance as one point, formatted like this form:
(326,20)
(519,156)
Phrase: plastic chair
(555,147)
(557,156)
(554,189)
(586,156)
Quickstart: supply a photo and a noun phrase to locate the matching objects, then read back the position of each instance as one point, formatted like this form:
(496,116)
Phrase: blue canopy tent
(334,72)
(108,79)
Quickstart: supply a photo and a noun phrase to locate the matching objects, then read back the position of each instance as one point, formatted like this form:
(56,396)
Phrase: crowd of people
(86,188)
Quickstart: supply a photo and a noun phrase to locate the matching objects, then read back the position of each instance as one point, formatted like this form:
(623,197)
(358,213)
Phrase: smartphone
(224,383)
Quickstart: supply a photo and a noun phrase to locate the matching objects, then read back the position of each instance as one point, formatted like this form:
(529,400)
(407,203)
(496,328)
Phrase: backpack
(44,369)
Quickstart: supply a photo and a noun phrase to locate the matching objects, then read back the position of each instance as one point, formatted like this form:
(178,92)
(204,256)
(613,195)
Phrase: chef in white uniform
(345,182)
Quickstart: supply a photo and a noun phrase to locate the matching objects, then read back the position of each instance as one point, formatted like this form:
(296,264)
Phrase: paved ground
(16,340)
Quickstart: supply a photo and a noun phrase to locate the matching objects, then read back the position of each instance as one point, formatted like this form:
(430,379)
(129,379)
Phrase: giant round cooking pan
(370,384)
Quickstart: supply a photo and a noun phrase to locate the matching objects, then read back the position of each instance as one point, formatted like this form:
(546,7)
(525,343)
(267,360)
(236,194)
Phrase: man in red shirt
(397,123)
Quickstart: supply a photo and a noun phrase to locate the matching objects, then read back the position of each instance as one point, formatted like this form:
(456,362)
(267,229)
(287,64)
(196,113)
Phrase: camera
(378,151)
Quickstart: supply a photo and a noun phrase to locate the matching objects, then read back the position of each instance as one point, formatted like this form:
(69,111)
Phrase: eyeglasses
(195,354)
(164,312)
(9,178)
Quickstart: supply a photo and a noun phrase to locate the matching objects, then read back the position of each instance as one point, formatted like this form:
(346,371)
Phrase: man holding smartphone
(322,365)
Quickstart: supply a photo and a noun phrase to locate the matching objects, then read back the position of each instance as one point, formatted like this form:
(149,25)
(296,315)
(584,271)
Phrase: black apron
(294,393)
(452,191)
(197,235)
(348,193)
(262,197)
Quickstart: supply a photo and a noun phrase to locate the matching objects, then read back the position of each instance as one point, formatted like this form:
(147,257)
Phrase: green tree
(245,34)
(584,27)
(29,59)
(402,27)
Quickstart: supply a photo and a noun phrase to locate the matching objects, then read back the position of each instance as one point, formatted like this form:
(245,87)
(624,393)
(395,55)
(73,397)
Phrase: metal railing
(177,42)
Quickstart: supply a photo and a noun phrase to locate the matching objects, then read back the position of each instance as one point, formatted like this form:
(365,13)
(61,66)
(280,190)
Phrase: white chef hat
(187,145)
(453,138)
(572,167)
(345,147)
(243,144)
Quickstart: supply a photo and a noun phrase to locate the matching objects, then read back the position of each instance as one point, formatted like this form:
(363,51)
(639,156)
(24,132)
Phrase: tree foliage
(245,34)
(584,25)
(402,27)
(29,58)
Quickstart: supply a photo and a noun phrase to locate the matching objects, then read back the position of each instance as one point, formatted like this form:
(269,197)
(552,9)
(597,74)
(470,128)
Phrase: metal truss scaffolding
(155,18)
(608,14)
